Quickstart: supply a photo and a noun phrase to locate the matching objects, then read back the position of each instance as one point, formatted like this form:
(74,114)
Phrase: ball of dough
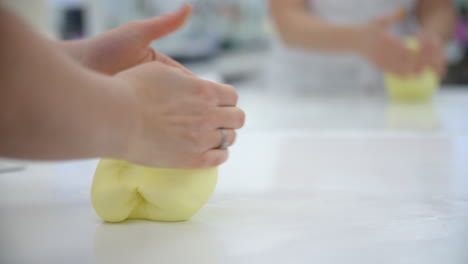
(413,88)
(122,190)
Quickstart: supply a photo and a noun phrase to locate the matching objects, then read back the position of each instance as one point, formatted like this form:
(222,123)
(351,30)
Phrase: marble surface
(310,181)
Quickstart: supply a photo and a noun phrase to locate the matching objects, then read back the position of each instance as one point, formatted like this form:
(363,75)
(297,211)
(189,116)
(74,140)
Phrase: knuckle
(207,121)
(191,136)
(205,143)
(205,93)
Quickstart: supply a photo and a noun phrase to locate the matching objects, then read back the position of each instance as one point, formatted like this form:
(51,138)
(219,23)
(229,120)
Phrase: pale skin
(299,28)
(110,96)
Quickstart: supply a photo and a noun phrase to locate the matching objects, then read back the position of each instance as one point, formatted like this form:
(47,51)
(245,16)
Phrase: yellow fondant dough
(413,88)
(122,190)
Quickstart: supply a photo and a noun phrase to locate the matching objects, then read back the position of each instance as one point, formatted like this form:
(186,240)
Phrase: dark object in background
(73,23)
(461,28)
(458,73)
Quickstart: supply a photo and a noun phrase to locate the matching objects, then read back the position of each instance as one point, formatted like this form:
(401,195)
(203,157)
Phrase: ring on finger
(224,139)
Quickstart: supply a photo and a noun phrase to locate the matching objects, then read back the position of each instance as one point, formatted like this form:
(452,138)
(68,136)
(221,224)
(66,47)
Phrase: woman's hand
(177,117)
(128,45)
(432,53)
(385,50)
(391,54)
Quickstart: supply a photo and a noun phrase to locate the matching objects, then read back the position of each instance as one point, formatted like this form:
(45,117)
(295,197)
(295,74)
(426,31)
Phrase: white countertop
(310,181)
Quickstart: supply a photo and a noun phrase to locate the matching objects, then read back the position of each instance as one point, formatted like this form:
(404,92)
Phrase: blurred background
(359,175)
(232,36)
(229,35)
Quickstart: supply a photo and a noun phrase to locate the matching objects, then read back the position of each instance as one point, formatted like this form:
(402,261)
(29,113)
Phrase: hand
(385,50)
(128,45)
(178,118)
(432,53)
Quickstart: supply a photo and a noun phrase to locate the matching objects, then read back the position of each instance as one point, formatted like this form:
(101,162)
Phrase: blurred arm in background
(299,28)
(437,17)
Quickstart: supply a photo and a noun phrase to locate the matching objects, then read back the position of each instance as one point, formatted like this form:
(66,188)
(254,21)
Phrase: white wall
(34,12)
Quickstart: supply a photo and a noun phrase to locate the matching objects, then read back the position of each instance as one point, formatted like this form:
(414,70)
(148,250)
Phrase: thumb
(391,18)
(161,26)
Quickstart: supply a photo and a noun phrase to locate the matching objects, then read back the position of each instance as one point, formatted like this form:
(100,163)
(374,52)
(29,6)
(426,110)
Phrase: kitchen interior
(330,178)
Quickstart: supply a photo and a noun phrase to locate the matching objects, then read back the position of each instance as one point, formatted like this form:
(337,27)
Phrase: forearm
(51,108)
(437,17)
(298,28)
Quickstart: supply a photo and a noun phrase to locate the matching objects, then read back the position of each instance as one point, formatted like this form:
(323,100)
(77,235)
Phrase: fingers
(402,59)
(393,56)
(438,63)
(391,18)
(398,58)
(152,55)
(209,159)
(208,152)
(226,94)
(169,62)
(212,158)
(158,27)
(432,53)
(229,117)
(216,138)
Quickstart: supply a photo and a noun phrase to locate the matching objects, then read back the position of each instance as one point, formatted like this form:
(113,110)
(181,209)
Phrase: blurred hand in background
(384,49)
(432,52)
(390,52)
(327,34)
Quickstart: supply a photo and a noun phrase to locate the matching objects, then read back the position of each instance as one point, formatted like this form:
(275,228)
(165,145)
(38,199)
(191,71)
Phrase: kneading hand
(387,51)
(128,45)
(432,54)
(178,118)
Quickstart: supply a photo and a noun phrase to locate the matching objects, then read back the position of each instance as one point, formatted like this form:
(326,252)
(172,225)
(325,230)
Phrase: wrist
(122,122)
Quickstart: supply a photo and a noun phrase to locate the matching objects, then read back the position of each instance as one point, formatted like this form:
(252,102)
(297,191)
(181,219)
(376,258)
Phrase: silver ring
(224,139)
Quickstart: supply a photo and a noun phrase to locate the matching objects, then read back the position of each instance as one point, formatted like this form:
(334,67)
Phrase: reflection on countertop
(141,241)
(266,111)
(422,115)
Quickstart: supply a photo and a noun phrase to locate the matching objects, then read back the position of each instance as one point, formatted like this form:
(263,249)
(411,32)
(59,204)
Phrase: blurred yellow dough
(414,88)
(122,190)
